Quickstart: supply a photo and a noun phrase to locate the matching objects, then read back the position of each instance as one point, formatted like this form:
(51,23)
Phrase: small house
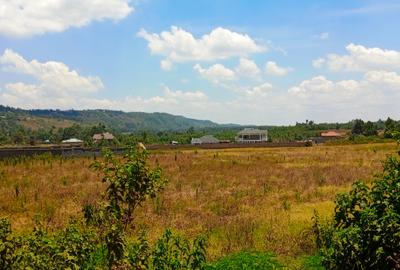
(106,136)
(331,134)
(328,135)
(207,139)
(72,141)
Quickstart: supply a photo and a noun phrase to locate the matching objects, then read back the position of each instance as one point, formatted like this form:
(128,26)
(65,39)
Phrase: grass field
(243,199)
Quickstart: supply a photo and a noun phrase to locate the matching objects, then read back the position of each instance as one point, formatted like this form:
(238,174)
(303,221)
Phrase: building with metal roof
(252,135)
(207,139)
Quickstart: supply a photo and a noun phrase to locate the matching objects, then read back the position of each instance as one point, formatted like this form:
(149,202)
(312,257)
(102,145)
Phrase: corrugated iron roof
(252,131)
(331,134)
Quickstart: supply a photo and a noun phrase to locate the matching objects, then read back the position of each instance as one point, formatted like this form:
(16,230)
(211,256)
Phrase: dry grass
(242,198)
(35,122)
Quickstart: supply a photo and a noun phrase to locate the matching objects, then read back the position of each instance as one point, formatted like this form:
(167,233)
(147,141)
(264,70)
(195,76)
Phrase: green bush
(171,252)
(70,248)
(101,242)
(365,231)
(246,261)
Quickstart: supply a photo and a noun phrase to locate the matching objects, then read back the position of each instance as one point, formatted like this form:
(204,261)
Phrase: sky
(230,61)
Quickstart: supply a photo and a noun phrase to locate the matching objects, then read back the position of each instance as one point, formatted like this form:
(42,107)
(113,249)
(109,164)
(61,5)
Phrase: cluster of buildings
(97,138)
(253,135)
(326,136)
(247,135)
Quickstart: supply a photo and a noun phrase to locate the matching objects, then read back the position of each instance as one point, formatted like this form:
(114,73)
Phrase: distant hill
(118,120)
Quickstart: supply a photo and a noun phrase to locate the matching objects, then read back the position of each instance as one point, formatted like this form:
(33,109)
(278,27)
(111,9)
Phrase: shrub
(171,252)
(6,244)
(130,181)
(365,231)
(70,248)
(246,261)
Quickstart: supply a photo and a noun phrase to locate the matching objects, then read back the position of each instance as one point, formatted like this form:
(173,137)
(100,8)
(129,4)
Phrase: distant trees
(362,128)
(391,127)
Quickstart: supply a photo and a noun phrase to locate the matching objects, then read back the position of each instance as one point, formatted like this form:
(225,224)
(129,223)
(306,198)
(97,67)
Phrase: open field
(254,199)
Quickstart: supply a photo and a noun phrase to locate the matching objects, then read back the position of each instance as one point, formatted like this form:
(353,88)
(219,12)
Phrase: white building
(252,135)
(73,141)
(207,139)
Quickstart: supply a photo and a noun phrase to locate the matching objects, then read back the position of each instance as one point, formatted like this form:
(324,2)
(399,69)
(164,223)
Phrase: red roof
(330,134)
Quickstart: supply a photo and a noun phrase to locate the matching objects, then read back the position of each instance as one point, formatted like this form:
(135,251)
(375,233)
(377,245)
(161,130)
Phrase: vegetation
(29,127)
(366,129)
(116,120)
(102,243)
(246,261)
(365,231)
(255,201)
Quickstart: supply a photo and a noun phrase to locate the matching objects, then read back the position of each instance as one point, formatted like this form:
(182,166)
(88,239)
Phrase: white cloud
(320,90)
(360,58)
(55,85)
(385,79)
(272,68)
(375,96)
(178,45)
(319,85)
(247,68)
(187,103)
(324,36)
(216,73)
(259,90)
(23,18)
(318,63)
(56,81)
(166,65)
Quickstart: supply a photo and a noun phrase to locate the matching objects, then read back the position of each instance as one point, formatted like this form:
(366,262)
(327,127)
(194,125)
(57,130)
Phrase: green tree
(130,181)
(365,231)
(358,127)
(370,129)
(391,126)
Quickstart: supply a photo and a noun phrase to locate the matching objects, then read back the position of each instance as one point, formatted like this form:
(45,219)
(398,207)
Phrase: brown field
(35,123)
(260,199)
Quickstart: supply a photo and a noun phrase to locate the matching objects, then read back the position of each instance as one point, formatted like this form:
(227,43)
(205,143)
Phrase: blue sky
(248,62)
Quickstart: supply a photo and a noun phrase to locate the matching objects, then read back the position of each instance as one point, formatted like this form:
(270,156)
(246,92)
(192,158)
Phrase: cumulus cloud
(374,96)
(178,45)
(360,58)
(216,73)
(166,65)
(374,83)
(272,68)
(319,85)
(318,63)
(28,17)
(247,68)
(259,90)
(56,81)
(55,85)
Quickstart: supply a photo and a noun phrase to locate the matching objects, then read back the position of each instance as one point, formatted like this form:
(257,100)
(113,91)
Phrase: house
(106,136)
(72,141)
(207,139)
(331,134)
(328,135)
(252,135)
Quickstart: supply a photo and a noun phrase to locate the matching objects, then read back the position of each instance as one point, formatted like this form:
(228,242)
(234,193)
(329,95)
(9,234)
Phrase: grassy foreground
(243,199)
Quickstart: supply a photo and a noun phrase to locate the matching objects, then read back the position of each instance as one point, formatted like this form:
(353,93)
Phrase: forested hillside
(117,120)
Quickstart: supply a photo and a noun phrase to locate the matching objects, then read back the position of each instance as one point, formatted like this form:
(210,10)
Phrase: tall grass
(243,199)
